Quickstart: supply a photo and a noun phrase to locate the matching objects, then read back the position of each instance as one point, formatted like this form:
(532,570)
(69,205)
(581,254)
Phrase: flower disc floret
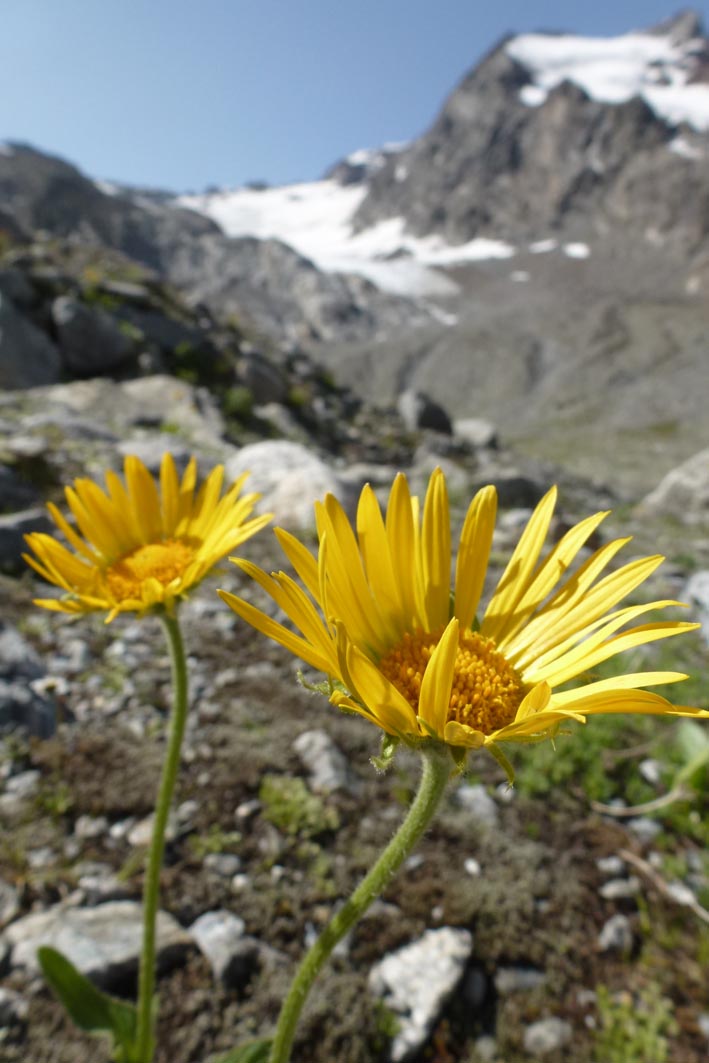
(486,690)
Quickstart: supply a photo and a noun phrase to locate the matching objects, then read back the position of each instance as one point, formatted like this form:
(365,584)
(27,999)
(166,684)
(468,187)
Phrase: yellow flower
(378,617)
(140,545)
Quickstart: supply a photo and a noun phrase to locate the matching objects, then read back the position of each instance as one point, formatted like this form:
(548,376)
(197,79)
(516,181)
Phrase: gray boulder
(28,358)
(90,340)
(419,411)
(683,493)
(13,528)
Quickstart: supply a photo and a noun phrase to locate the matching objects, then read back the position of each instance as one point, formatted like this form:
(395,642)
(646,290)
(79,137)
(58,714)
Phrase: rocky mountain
(557,134)
(540,256)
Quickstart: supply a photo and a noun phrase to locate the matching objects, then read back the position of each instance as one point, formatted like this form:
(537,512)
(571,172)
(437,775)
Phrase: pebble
(645,829)
(616,935)
(225,865)
(620,888)
(88,827)
(651,771)
(13,1008)
(547,1035)
(613,866)
(325,763)
(476,801)
(221,938)
(517,979)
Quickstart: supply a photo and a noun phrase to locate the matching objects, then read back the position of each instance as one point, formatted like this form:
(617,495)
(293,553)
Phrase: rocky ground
(548,925)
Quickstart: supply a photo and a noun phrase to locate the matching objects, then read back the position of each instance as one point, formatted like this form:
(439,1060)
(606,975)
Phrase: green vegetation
(289,805)
(634,1030)
(238,402)
(216,840)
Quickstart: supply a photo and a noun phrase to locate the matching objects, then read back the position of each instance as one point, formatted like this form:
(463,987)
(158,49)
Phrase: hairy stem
(437,765)
(146,983)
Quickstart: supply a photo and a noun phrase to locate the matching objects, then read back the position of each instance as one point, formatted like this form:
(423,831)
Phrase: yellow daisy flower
(378,616)
(141,545)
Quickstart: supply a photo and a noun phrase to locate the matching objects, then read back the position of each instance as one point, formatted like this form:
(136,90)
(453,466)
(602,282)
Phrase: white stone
(416,982)
(325,763)
(616,935)
(220,937)
(547,1035)
(289,477)
(620,888)
(478,803)
(103,942)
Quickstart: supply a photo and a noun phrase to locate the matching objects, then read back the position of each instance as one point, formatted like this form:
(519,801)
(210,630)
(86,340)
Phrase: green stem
(151,888)
(437,765)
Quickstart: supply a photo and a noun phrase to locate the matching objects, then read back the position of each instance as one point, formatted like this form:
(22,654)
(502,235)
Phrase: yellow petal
(436,552)
(437,682)
(474,554)
(516,577)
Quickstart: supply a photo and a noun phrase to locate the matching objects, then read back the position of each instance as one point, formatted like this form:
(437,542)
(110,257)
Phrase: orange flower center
(486,691)
(164,561)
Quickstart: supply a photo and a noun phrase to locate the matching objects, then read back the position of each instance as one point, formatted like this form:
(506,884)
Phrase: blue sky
(181,94)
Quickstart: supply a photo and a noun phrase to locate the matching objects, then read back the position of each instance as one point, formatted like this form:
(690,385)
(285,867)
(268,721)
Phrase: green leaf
(252,1052)
(90,1008)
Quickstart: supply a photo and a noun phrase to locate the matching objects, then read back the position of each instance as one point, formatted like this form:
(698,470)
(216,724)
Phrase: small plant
(238,402)
(634,1029)
(289,805)
(216,840)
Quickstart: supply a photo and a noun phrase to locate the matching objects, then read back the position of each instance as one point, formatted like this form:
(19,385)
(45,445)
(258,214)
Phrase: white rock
(547,1035)
(517,979)
(220,936)
(620,888)
(616,935)
(417,980)
(325,763)
(103,942)
(684,492)
(476,431)
(288,476)
(478,803)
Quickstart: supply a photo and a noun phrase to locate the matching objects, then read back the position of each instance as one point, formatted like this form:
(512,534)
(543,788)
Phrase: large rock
(289,477)
(103,942)
(420,411)
(91,341)
(13,528)
(683,493)
(28,358)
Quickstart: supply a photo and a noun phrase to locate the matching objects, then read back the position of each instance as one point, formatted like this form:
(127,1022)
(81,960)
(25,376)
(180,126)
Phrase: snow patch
(316,219)
(108,188)
(615,69)
(681,146)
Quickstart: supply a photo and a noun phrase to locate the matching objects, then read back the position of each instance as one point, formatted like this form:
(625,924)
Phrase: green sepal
(89,1007)
(252,1052)
(325,686)
(389,747)
(460,756)
(502,761)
